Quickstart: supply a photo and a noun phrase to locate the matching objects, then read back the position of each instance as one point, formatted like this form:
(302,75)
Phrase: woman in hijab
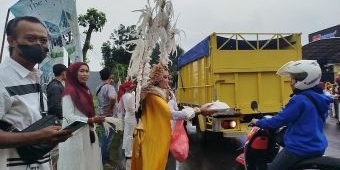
(81,151)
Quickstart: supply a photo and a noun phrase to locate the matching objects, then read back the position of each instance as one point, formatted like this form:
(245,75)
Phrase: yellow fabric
(152,137)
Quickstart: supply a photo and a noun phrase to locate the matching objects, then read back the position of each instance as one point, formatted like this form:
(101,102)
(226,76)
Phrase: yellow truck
(237,69)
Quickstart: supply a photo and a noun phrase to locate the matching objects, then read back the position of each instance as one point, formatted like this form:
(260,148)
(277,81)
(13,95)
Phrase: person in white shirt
(126,99)
(20,94)
(176,114)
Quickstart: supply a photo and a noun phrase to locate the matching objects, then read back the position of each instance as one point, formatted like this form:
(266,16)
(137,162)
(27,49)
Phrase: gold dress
(152,134)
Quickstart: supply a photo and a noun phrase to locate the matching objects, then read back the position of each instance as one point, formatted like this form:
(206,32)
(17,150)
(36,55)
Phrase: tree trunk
(87,42)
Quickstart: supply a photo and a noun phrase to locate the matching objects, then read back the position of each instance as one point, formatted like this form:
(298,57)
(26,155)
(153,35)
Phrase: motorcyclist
(304,137)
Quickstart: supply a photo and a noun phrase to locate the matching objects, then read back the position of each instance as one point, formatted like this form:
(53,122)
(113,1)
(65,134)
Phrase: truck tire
(239,167)
(201,135)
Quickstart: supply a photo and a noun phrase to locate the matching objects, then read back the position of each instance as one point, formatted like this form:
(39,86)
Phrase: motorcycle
(262,145)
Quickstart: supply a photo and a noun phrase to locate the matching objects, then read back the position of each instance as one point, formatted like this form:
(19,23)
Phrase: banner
(327,33)
(61,20)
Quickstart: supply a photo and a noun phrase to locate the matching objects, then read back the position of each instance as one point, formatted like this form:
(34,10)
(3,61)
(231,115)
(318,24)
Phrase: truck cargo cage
(237,68)
(238,41)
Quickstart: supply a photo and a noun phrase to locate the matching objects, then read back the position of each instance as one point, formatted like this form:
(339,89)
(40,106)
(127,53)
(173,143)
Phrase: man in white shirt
(20,94)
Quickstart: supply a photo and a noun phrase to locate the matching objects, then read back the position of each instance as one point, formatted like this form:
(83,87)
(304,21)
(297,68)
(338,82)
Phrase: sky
(200,18)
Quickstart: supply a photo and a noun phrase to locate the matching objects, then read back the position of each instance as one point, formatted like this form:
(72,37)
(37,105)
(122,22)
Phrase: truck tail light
(228,124)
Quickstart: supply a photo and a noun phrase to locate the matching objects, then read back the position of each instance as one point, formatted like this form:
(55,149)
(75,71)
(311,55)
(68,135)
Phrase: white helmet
(307,73)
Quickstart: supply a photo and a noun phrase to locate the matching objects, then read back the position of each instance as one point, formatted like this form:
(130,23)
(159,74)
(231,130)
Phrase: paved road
(219,153)
(332,131)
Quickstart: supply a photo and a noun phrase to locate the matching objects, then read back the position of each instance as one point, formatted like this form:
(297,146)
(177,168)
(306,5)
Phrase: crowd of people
(333,91)
(69,99)
(145,147)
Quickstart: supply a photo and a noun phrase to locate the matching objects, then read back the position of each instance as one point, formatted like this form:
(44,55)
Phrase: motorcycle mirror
(254,105)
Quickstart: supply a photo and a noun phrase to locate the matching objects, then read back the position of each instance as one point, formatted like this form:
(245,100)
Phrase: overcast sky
(199,18)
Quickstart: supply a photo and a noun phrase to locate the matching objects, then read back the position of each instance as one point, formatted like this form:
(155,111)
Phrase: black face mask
(33,53)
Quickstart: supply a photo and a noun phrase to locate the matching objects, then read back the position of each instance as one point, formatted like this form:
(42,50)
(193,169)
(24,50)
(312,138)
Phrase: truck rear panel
(237,71)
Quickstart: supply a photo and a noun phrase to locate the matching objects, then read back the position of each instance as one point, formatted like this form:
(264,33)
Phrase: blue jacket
(304,135)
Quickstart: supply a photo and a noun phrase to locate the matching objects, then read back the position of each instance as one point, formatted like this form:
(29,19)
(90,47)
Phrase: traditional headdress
(156,73)
(152,30)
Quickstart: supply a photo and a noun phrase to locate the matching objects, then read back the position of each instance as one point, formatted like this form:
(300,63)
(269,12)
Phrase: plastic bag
(179,142)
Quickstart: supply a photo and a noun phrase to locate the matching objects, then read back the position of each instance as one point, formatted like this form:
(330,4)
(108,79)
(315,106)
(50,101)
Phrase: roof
(325,49)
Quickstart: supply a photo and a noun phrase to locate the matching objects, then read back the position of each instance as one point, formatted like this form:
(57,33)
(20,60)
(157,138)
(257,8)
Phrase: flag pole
(3,37)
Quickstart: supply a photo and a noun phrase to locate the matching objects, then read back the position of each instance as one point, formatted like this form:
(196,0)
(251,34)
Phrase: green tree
(173,57)
(116,58)
(95,21)
(123,34)
(120,37)
(114,52)
(119,72)
(107,55)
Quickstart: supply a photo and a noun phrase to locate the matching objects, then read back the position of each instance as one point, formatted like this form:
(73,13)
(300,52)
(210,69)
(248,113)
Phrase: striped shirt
(20,106)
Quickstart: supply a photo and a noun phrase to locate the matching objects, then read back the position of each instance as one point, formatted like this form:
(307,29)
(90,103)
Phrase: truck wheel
(239,167)
(201,135)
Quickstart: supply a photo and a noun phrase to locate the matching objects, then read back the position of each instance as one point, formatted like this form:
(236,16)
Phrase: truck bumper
(234,134)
